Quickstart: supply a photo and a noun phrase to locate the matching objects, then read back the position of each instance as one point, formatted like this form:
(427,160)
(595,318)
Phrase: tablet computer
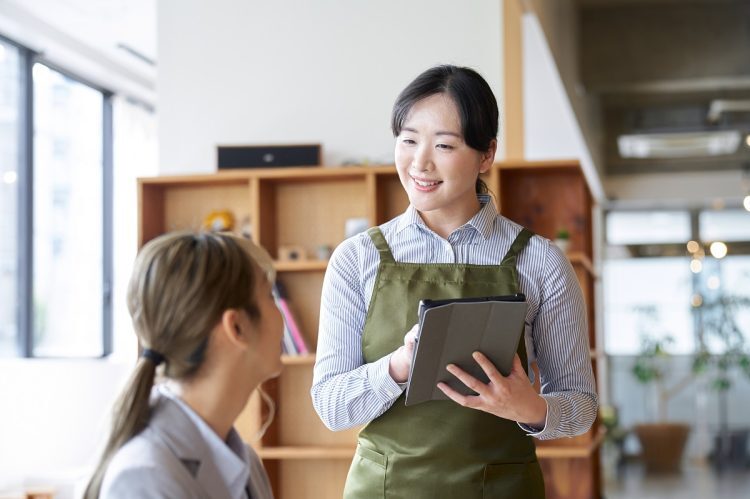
(451,330)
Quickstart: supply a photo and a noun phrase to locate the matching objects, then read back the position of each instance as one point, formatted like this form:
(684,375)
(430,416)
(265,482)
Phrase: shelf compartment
(303,295)
(546,198)
(309,212)
(306,452)
(183,205)
(391,199)
(298,423)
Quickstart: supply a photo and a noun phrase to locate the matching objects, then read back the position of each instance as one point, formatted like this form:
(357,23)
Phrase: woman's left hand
(512,397)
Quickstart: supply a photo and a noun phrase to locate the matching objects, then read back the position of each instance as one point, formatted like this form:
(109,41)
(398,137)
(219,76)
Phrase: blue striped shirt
(348,392)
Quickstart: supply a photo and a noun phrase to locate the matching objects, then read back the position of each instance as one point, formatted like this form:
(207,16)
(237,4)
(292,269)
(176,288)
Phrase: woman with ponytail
(205,317)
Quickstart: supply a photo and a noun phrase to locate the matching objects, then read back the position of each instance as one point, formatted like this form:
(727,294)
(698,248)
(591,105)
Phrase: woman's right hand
(401,358)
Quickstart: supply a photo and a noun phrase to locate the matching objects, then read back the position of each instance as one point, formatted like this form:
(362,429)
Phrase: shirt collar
(221,464)
(482,221)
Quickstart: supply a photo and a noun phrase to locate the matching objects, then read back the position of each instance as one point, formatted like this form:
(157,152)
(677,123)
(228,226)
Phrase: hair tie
(153,356)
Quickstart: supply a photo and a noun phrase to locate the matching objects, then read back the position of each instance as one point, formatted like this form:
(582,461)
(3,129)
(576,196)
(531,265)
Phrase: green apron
(438,449)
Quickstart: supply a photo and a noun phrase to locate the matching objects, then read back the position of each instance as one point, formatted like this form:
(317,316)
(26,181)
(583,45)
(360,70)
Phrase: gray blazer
(179,456)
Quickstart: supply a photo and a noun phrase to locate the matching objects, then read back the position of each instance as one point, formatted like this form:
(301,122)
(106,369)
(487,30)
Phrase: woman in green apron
(449,243)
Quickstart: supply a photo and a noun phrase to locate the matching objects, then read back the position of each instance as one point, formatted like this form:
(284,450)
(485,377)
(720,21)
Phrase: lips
(426,183)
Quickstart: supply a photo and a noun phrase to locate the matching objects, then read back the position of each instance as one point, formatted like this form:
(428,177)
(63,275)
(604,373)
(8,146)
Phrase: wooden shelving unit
(547,196)
(307,207)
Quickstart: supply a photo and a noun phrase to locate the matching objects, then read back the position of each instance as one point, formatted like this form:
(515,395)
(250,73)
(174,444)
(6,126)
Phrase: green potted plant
(662,441)
(562,239)
(722,352)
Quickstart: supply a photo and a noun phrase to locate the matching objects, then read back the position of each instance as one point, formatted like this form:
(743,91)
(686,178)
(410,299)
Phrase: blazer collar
(221,468)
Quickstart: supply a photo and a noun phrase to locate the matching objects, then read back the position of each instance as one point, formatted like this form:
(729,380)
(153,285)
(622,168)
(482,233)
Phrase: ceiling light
(679,145)
(721,106)
(693,246)
(747,140)
(746,202)
(718,249)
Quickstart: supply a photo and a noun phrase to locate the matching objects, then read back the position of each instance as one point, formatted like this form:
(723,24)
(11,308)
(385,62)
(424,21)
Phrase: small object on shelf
(354,226)
(323,252)
(562,239)
(219,221)
(292,253)
(246,228)
(264,156)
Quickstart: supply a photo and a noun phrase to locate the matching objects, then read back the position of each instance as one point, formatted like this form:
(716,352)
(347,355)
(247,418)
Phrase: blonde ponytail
(130,416)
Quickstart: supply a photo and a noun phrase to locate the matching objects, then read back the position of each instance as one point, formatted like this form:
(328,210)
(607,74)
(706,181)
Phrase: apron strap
(518,245)
(380,243)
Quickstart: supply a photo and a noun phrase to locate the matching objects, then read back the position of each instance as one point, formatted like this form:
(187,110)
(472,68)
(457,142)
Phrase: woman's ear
(488,157)
(235,328)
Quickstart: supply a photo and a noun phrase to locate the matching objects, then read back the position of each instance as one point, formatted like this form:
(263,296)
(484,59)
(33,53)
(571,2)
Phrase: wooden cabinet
(546,197)
(307,208)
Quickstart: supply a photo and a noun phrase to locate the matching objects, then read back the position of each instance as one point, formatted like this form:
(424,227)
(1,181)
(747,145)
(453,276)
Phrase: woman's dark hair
(472,95)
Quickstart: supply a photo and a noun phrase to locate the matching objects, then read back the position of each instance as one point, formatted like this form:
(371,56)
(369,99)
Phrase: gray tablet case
(451,330)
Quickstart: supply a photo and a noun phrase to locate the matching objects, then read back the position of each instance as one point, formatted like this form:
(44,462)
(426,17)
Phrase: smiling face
(436,167)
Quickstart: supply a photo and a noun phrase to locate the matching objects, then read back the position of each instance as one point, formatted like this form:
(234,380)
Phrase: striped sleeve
(346,392)
(559,334)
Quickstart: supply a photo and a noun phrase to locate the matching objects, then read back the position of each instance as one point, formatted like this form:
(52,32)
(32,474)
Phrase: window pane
(645,227)
(632,285)
(735,280)
(135,155)
(728,278)
(10,95)
(725,225)
(68,212)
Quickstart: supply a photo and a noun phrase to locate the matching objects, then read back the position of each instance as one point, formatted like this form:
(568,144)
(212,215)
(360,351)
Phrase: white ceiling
(86,38)
(101,24)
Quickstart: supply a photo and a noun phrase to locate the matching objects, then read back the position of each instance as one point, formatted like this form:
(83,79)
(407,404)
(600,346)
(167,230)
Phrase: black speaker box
(268,156)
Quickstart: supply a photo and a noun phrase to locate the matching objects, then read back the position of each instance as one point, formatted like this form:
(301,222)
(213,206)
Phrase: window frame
(25,214)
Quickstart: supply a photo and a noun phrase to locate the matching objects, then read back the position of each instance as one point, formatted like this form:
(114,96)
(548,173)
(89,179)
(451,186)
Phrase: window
(135,155)
(650,286)
(56,191)
(646,227)
(725,225)
(68,211)
(10,124)
(647,296)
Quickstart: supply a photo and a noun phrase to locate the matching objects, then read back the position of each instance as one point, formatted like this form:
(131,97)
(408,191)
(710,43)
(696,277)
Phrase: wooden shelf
(579,258)
(298,360)
(571,451)
(306,452)
(308,207)
(301,265)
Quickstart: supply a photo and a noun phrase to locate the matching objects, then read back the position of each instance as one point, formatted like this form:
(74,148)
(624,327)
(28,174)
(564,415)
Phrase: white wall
(255,72)
(53,416)
(551,130)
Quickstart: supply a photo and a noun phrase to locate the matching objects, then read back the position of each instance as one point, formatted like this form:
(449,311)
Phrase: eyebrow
(441,132)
